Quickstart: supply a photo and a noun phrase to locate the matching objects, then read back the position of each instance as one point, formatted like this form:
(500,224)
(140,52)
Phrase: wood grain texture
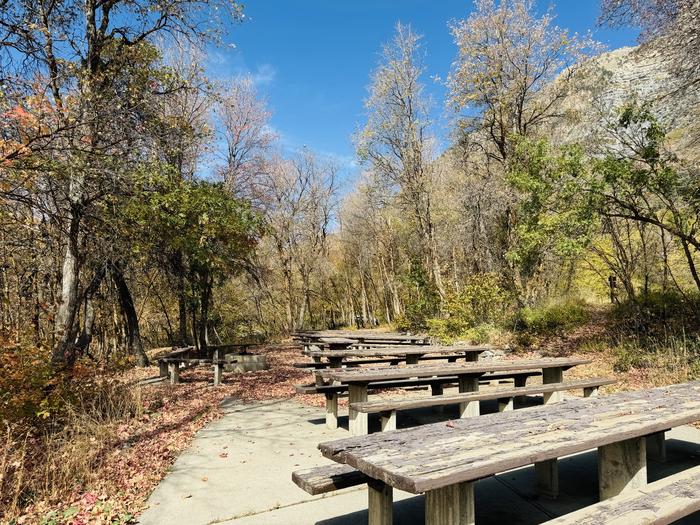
(660,503)
(451,505)
(441,454)
(367,375)
(399,351)
(441,400)
(519,376)
(359,335)
(320,480)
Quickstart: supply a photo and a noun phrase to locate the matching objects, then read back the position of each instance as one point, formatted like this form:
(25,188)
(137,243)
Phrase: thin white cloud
(264,75)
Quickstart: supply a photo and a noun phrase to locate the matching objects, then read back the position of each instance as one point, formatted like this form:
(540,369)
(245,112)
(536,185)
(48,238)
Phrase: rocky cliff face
(611,79)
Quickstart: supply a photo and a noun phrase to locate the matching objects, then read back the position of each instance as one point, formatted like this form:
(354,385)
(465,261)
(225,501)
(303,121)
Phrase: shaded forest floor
(127,459)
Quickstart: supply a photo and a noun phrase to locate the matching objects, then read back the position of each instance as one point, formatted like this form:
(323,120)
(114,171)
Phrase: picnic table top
(336,340)
(366,375)
(359,334)
(440,454)
(399,351)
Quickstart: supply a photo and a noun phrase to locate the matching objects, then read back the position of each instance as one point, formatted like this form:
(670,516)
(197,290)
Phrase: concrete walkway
(238,472)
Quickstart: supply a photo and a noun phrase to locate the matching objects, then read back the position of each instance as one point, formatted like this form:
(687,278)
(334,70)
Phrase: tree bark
(67,309)
(131,321)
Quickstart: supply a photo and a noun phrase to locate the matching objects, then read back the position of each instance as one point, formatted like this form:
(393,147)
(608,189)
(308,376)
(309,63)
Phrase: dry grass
(113,447)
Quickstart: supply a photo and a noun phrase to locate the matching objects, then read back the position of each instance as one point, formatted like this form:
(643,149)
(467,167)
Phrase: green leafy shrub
(473,311)
(552,318)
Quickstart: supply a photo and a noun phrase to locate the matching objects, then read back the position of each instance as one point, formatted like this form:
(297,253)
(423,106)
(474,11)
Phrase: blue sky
(312,58)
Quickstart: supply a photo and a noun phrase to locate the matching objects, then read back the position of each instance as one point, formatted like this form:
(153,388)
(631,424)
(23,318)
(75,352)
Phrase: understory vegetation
(146,205)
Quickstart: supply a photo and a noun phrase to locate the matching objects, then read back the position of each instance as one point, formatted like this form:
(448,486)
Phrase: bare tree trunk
(205,302)
(68,307)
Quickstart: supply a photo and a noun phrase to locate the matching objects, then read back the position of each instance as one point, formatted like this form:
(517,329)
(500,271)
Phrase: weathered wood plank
(478,368)
(400,351)
(438,400)
(519,376)
(664,501)
(320,480)
(440,454)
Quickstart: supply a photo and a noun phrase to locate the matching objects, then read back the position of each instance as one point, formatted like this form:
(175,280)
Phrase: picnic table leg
(451,505)
(218,368)
(218,373)
(552,375)
(547,472)
(591,391)
(656,446)
(547,478)
(380,503)
(174,371)
(505,404)
(520,381)
(357,393)
(162,368)
(622,466)
(388,420)
(332,410)
(468,384)
(437,389)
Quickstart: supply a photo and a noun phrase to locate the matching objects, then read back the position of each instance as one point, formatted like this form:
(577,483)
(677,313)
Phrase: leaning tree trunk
(126,301)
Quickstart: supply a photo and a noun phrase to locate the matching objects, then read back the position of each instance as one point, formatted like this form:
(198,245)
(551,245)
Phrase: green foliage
(472,311)
(553,215)
(553,318)
(201,219)
(422,299)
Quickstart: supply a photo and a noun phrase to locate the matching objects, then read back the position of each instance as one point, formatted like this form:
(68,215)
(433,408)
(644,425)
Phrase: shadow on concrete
(511,498)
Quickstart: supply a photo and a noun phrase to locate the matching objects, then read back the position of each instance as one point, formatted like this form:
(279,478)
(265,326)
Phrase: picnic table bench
(437,384)
(387,408)
(361,338)
(468,375)
(664,501)
(443,460)
(411,354)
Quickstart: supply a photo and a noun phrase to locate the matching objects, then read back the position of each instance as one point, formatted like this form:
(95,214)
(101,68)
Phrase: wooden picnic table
(412,354)
(467,374)
(443,460)
(334,343)
(363,337)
